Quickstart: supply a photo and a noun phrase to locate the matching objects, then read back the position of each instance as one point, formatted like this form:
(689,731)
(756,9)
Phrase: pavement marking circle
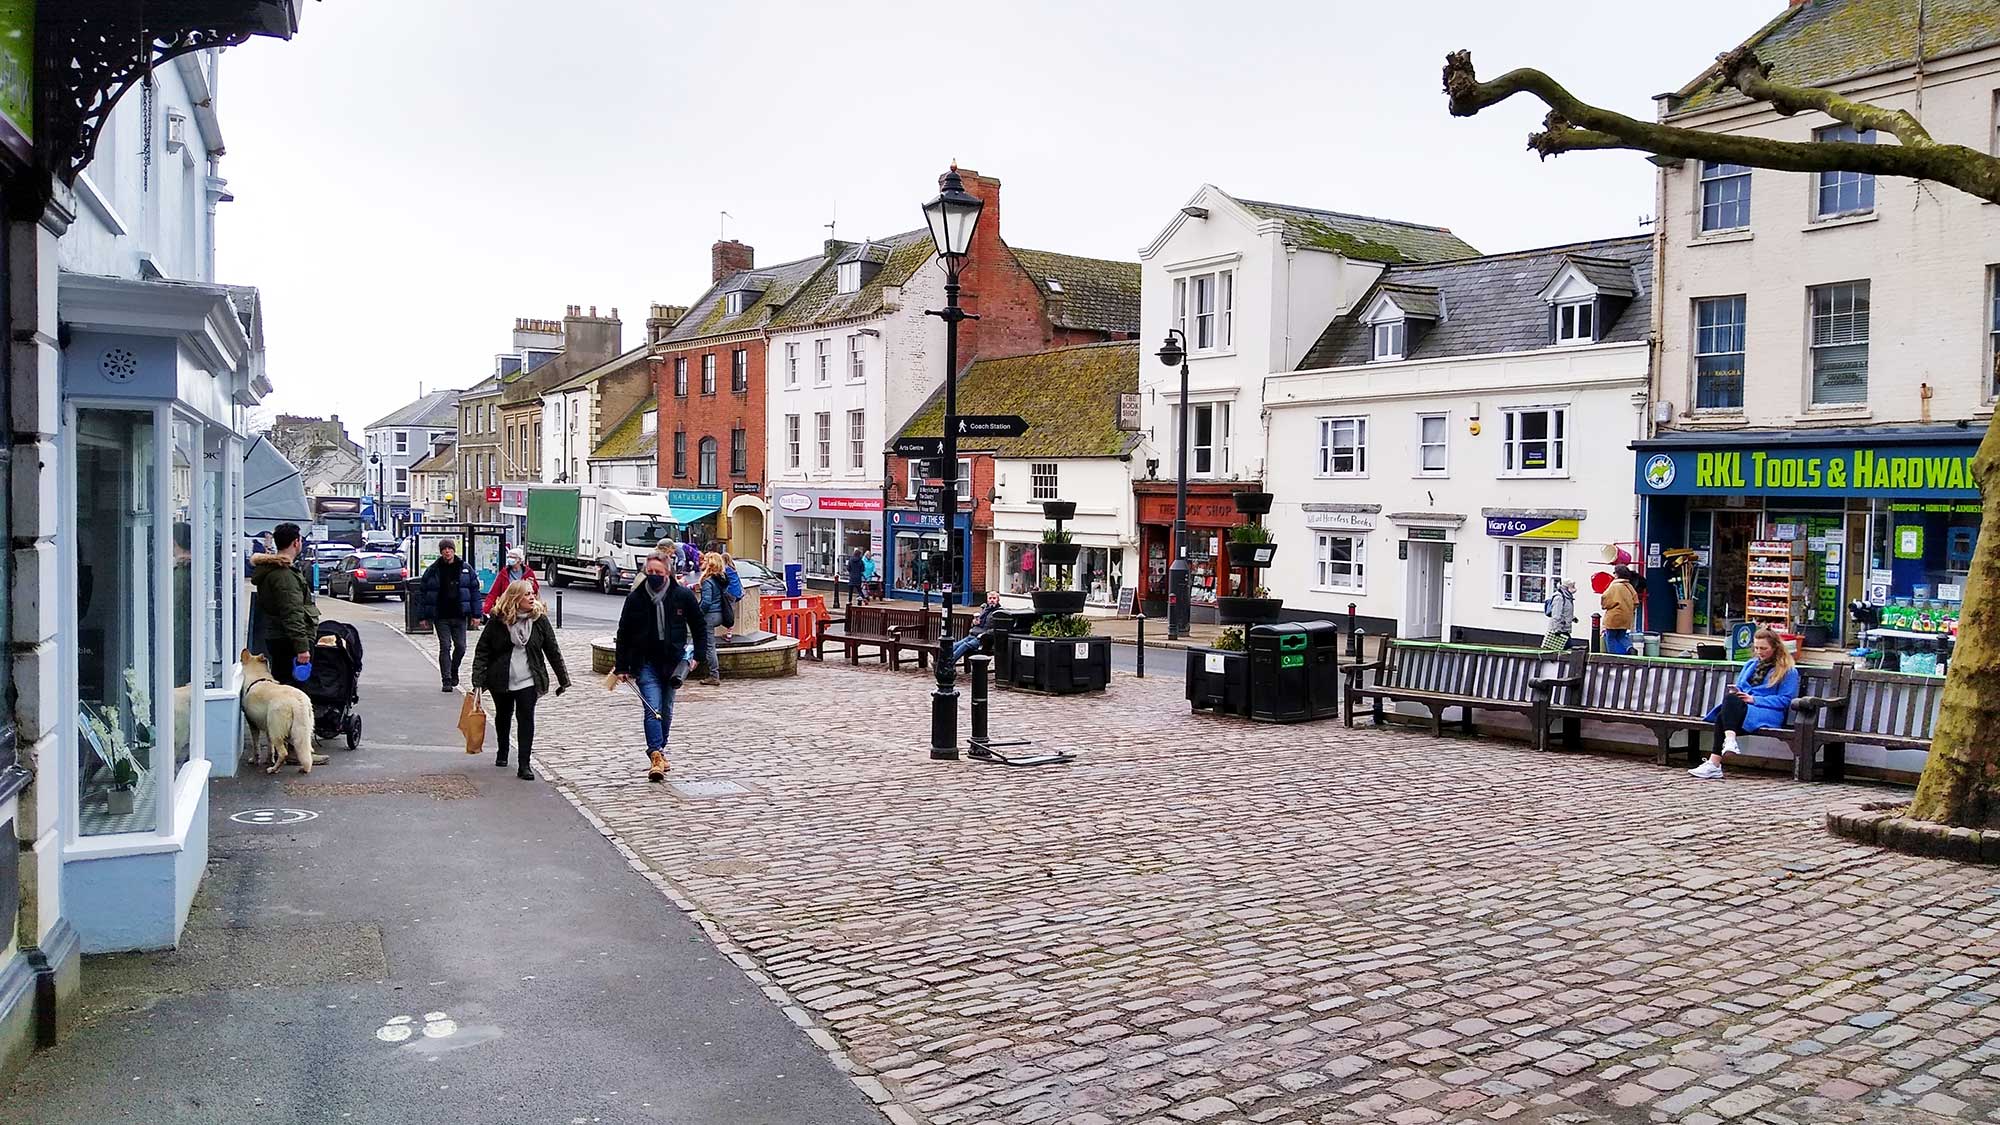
(273,816)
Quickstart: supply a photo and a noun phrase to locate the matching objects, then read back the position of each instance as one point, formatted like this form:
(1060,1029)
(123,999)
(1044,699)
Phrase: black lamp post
(381,500)
(1180,577)
(952,217)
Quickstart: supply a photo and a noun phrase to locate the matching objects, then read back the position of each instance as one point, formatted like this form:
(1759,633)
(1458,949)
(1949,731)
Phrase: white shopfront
(157,379)
(821,528)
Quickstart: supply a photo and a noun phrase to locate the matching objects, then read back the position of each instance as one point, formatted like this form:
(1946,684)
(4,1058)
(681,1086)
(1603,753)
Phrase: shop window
(915,553)
(823,439)
(183,479)
(1845,193)
(1017,569)
(1342,561)
(1343,447)
(823,549)
(1208,438)
(117,649)
(1840,344)
(1725,197)
(1526,569)
(1533,442)
(707,464)
(855,535)
(1100,574)
(1042,480)
(1433,444)
(1718,353)
(792,451)
(221,562)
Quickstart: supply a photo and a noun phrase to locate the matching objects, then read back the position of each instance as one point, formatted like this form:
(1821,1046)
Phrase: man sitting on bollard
(980,627)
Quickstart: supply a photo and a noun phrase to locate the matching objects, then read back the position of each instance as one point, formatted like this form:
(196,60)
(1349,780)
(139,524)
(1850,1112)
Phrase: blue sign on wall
(916,519)
(706,499)
(1943,471)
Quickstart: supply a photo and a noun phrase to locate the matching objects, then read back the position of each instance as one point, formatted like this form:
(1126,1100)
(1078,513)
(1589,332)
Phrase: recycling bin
(795,580)
(1278,680)
(1322,668)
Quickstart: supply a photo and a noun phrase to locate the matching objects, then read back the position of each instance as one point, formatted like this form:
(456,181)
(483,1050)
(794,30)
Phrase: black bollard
(1353,633)
(1596,632)
(558,609)
(980,663)
(1141,656)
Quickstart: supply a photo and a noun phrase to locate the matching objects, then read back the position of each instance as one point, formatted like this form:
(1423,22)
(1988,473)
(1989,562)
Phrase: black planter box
(1247,611)
(1058,554)
(1007,623)
(1059,509)
(1218,680)
(1244,555)
(1059,665)
(1056,602)
(1252,503)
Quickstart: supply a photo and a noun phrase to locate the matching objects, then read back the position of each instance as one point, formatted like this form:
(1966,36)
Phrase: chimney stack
(661,320)
(730,256)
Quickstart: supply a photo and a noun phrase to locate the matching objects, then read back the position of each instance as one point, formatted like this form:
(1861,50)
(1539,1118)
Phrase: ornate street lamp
(1180,579)
(952,218)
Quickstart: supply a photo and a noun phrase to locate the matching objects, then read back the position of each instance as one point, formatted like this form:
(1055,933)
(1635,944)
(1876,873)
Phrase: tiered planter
(1055,665)
(1247,561)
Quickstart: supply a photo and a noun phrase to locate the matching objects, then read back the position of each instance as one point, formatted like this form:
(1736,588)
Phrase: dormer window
(848,277)
(738,301)
(1576,322)
(1390,338)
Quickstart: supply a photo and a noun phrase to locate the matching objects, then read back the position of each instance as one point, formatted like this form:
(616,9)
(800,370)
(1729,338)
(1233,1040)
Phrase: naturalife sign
(1527,527)
(1943,471)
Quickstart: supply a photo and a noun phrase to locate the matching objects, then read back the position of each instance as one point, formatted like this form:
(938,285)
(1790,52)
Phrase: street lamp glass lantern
(1171,352)
(952,216)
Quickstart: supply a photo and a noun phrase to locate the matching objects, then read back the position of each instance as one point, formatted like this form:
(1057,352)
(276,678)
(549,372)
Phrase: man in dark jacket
(659,620)
(857,576)
(448,597)
(287,619)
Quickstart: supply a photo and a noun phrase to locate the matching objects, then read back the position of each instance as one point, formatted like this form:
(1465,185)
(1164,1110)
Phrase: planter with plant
(1218,678)
(1057,654)
(1251,546)
(1250,551)
(1057,548)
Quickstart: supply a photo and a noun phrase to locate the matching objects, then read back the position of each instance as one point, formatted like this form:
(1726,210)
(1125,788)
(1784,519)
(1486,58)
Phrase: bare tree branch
(1575,125)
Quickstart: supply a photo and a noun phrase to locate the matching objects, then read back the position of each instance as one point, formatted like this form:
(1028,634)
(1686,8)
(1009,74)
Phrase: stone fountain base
(754,655)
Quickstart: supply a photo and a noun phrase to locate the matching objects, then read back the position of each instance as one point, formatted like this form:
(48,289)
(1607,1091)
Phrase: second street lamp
(1180,578)
(952,217)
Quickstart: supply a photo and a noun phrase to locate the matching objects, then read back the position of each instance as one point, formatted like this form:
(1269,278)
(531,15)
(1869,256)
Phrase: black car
(367,575)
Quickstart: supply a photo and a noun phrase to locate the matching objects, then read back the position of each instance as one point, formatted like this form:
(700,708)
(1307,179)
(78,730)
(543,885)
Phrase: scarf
(522,628)
(659,597)
(1760,676)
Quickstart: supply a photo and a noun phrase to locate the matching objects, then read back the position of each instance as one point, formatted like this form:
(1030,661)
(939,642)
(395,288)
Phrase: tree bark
(1961,781)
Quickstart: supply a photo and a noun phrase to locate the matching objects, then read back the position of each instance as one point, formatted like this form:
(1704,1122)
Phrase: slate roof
(487,386)
(628,439)
(1821,42)
(443,461)
(1068,395)
(438,409)
(1359,236)
(1087,294)
(1609,275)
(709,316)
(1414,300)
(820,302)
(1493,304)
(609,367)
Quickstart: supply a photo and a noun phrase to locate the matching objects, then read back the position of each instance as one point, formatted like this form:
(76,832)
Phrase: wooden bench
(1667,696)
(892,630)
(1896,710)
(1440,676)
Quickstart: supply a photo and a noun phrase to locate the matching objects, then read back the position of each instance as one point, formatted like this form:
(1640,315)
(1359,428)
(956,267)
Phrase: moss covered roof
(774,286)
(443,461)
(611,366)
(1069,397)
(1091,294)
(1827,41)
(819,301)
(628,439)
(1359,236)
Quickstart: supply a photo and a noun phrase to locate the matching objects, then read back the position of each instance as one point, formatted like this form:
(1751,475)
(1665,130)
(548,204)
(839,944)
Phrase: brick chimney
(730,256)
(590,339)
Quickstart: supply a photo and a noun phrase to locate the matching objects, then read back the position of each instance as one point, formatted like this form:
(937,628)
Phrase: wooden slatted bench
(1667,696)
(1439,676)
(1895,710)
(896,632)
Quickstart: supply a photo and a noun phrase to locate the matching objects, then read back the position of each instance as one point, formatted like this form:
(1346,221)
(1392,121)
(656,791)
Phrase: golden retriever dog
(280,713)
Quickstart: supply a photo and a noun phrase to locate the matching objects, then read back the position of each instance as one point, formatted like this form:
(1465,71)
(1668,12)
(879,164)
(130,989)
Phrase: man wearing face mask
(659,620)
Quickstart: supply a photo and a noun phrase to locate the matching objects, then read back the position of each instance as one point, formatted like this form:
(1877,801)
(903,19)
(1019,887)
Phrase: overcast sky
(412,176)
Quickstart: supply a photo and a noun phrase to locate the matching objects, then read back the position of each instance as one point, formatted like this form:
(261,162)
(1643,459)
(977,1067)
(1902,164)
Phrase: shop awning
(688,505)
(273,492)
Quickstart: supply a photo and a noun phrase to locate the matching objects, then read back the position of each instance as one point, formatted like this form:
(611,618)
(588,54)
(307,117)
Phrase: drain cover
(711,787)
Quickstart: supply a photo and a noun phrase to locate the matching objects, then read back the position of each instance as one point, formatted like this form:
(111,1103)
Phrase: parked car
(756,574)
(360,576)
(324,554)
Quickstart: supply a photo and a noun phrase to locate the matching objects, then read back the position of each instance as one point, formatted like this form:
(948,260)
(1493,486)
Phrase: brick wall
(700,415)
(982,507)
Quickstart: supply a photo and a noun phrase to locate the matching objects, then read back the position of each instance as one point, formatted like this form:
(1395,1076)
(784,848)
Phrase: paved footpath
(1209,920)
(441,943)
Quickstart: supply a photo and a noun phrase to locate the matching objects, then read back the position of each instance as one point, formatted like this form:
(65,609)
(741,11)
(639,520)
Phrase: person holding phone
(1761,698)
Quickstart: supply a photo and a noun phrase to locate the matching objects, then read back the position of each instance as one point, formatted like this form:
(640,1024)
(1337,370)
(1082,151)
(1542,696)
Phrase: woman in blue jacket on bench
(1761,698)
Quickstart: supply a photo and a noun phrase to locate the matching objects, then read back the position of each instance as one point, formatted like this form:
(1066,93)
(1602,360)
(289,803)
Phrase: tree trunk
(1961,782)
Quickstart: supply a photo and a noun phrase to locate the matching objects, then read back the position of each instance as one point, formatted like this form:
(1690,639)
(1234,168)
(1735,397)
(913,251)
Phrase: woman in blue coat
(1762,698)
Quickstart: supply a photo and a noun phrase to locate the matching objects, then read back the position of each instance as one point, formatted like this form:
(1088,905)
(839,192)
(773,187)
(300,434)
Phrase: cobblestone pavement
(1209,920)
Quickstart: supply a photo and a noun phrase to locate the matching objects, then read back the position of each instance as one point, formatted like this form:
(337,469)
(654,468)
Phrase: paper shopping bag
(472,723)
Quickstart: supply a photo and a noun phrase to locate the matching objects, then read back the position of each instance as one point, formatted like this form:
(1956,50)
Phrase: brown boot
(658,771)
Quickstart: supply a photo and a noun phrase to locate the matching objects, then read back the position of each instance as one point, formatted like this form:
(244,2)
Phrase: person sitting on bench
(980,626)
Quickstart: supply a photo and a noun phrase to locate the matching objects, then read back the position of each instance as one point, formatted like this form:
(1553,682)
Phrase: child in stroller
(335,684)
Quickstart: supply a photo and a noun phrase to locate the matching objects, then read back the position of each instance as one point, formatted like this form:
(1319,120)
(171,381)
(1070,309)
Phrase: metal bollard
(1141,655)
(980,663)
(558,609)
(1353,633)
(1596,632)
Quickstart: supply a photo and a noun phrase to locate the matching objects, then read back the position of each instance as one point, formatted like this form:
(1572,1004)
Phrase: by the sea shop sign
(1902,471)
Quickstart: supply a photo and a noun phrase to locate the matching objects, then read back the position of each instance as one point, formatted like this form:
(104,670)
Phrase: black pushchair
(335,684)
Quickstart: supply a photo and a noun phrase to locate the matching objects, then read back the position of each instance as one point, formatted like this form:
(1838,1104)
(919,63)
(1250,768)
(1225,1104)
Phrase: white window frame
(1814,348)
(847,277)
(1220,326)
(1357,427)
(1508,574)
(1390,339)
(402,441)
(1705,338)
(708,373)
(795,453)
(1044,480)
(1863,182)
(1218,447)
(1992,332)
(738,301)
(822,361)
(1443,445)
(857,359)
(680,376)
(915,472)
(1719,174)
(857,439)
(1325,577)
(1557,439)
(823,439)
(739,371)
(964,482)
(792,364)
(1570,318)
(402,479)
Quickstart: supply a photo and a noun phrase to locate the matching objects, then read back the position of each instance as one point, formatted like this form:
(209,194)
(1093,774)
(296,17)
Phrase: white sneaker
(1729,744)
(1707,771)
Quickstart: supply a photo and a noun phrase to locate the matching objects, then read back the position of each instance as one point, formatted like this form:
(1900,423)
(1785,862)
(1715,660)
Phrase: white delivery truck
(596,534)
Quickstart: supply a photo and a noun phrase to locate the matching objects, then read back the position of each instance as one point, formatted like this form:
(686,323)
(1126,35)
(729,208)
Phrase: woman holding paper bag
(512,660)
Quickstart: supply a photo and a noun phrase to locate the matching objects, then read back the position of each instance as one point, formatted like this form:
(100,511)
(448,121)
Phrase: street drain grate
(443,786)
(710,787)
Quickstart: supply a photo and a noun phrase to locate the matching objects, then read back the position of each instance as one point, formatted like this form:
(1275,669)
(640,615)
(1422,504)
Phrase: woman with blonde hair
(716,609)
(512,661)
(1761,698)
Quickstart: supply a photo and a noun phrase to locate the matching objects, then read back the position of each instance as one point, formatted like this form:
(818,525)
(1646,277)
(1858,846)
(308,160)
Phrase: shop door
(1423,581)
(1729,572)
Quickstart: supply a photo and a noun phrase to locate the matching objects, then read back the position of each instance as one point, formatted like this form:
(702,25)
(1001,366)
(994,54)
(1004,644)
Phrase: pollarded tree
(1961,780)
